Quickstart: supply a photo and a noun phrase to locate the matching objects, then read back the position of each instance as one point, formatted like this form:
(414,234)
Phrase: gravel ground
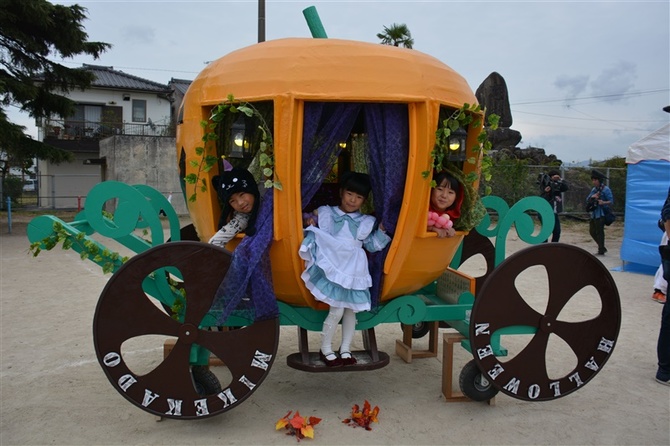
(53,390)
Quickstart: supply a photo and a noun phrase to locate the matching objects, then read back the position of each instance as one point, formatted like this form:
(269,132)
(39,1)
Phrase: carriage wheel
(499,306)
(124,312)
(475,244)
(474,384)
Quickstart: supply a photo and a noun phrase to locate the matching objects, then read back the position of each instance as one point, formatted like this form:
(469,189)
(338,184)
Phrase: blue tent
(647,183)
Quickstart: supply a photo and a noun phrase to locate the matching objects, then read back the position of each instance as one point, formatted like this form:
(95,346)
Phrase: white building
(116,103)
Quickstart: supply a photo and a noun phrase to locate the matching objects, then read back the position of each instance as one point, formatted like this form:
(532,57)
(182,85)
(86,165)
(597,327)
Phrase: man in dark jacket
(663,346)
(551,189)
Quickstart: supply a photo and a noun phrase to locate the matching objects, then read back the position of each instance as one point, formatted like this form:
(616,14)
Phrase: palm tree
(397,35)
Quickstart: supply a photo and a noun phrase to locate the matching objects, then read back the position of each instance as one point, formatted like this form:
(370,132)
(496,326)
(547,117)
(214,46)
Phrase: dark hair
(553,172)
(231,182)
(452,182)
(356,182)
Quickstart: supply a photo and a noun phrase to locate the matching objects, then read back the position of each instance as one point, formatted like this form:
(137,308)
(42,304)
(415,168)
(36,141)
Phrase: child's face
(442,196)
(242,202)
(351,201)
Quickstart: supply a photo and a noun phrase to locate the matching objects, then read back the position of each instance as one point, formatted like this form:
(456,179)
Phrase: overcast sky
(585,78)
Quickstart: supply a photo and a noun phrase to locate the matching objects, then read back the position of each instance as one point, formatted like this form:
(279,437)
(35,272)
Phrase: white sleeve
(236,225)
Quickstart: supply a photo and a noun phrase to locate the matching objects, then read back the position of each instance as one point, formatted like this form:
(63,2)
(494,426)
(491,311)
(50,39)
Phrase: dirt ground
(53,391)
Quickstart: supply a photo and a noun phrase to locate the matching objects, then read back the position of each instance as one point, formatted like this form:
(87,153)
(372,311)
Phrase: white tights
(348,318)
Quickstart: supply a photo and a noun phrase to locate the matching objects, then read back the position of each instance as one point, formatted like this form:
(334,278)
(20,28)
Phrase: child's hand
(443,232)
(309,219)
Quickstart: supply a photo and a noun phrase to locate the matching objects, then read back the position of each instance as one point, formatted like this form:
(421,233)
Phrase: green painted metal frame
(138,209)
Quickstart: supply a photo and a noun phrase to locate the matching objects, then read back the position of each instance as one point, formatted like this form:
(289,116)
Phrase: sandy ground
(54,392)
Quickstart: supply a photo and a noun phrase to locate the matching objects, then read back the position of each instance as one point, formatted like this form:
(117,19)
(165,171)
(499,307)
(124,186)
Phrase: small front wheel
(420,329)
(474,385)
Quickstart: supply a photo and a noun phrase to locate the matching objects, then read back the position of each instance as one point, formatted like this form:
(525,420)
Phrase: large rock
(503,138)
(492,95)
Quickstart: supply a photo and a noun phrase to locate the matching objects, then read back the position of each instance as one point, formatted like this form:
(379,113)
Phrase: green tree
(397,35)
(32,32)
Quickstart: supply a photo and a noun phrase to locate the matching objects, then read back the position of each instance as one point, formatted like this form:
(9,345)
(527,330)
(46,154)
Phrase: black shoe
(347,358)
(337,362)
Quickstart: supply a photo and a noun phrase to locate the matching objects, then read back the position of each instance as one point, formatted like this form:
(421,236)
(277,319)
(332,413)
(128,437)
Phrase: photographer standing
(552,187)
(596,202)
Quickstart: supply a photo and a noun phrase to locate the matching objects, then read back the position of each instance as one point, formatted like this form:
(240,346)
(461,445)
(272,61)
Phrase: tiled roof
(108,77)
(180,85)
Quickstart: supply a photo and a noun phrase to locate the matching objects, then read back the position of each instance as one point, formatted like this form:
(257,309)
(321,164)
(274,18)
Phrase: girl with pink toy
(446,198)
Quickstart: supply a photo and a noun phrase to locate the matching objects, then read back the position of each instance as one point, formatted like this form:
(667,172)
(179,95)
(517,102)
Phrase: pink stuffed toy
(439,221)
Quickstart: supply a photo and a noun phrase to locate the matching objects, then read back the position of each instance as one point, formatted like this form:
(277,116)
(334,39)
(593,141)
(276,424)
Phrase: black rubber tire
(419,330)
(474,385)
(204,381)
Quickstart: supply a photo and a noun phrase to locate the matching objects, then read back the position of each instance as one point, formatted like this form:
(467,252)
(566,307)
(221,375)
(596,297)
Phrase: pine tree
(32,32)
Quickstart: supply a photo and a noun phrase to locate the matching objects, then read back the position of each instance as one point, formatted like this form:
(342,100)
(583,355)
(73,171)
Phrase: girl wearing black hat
(239,194)
(597,202)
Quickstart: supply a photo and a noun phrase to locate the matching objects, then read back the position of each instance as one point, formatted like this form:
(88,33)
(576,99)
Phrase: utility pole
(261,21)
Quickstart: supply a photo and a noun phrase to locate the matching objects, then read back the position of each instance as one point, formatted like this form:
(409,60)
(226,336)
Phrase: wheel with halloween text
(564,303)
(174,386)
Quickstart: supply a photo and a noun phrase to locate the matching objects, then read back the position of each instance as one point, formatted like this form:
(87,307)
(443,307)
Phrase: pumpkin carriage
(303,112)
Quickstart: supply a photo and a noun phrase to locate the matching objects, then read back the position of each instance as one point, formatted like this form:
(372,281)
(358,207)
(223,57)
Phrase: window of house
(139,110)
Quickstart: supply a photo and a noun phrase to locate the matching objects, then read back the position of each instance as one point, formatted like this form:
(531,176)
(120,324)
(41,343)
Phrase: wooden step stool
(448,341)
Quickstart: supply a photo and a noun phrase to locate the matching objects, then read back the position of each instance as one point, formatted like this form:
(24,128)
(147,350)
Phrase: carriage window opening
(457,150)
(377,143)
(239,138)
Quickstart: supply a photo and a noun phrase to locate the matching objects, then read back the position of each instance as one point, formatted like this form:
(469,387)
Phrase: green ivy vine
(88,249)
(208,160)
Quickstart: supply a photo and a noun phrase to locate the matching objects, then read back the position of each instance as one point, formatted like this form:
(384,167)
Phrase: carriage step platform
(369,359)
(311,362)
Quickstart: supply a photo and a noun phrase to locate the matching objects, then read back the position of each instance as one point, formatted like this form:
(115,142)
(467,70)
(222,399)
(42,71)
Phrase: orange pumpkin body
(289,72)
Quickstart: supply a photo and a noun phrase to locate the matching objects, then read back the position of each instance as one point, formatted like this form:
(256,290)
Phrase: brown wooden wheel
(475,244)
(124,311)
(500,307)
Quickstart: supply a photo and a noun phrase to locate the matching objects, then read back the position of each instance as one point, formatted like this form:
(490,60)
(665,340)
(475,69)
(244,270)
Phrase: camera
(545,180)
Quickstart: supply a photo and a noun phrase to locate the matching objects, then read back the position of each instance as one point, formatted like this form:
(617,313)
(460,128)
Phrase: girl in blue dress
(336,266)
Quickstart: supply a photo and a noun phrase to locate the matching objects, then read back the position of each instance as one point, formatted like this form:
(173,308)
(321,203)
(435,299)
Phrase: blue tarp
(647,182)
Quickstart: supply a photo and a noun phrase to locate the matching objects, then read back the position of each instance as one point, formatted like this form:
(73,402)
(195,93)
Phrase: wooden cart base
(404,348)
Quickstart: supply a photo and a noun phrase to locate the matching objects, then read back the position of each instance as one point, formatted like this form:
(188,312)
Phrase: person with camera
(597,203)
(663,346)
(552,187)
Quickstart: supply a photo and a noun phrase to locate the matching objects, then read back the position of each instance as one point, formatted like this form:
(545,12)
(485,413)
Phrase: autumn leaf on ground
(298,426)
(362,418)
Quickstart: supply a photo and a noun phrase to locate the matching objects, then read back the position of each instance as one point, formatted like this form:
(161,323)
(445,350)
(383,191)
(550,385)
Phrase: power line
(604,96)
(581,119)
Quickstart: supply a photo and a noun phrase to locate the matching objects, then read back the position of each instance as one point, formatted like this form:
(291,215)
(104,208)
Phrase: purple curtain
(251,259)
(325,125)
(387,126)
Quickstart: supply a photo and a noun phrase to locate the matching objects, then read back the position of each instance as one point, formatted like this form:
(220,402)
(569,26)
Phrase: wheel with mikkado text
(126,312)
